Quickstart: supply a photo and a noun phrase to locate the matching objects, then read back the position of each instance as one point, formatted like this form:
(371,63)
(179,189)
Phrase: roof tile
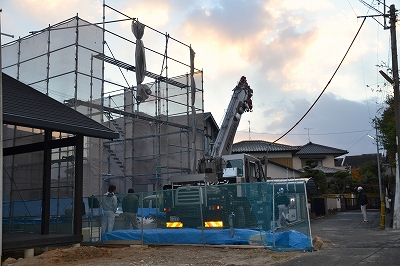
(261,146)
(312,148)
(25,106)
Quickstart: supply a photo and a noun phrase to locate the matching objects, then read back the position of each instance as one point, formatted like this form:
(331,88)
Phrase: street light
(379,166)
(382,223)
(385,76)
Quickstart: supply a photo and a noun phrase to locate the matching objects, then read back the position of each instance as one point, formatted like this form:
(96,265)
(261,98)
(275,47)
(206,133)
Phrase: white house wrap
(140,61)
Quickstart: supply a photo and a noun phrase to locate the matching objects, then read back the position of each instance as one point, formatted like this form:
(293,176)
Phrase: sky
(288,50)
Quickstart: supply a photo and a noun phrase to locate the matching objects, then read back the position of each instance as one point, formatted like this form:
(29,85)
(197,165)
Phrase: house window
(317,161)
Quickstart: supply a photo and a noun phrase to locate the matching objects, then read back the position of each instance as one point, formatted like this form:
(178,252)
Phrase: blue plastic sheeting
(142,212)
(37,221)
(33,208)
(289,239)
(183,236)
(292,239)
(148,212)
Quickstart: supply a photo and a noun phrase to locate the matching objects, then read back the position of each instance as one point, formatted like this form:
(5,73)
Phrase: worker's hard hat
(359,188)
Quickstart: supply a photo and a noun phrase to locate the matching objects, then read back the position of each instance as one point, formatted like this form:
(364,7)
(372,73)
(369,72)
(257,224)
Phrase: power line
(358,140)
(314,134)
(325,86)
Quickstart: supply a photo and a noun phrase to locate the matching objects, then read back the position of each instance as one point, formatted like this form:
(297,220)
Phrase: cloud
(334,122)
(49,11)
(288,51)
(156,14)
(230,20)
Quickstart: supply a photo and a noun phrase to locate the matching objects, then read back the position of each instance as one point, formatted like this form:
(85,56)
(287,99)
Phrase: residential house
(288,161)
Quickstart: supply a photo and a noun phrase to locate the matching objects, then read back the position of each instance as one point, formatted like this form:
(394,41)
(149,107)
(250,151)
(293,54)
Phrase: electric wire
(363,75)
(313,134)
(352,8)
(359,139)
(377,65)
(325,86)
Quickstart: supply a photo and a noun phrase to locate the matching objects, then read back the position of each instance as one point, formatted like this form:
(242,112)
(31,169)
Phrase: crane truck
(191,196)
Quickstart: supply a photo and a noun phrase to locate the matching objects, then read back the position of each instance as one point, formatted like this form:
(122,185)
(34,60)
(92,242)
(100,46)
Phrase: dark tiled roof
(314,149)
(261,146)
(358,160)
(25,106)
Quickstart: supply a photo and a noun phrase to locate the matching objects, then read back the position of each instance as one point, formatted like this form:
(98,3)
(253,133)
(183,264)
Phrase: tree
(386,125)
(369,175)
(369,172)
(318,176)
(341,180)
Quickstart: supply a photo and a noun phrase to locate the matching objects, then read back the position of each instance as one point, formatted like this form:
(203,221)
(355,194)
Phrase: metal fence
(271,214)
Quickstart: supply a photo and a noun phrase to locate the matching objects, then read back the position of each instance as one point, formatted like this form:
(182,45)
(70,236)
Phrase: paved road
(350,241)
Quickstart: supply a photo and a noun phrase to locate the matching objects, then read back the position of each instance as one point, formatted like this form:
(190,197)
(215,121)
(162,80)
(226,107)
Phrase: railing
(273,215)
(239,214)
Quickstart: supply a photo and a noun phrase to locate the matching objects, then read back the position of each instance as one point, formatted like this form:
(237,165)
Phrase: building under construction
(151,95)
(147,102)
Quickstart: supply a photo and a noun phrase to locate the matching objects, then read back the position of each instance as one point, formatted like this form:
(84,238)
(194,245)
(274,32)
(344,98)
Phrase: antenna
(249,129)
(308,130)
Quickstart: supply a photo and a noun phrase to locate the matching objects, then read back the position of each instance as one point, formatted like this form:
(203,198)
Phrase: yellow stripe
(214,224)
(174,224)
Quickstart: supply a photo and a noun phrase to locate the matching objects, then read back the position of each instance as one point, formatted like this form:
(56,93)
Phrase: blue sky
(288,50)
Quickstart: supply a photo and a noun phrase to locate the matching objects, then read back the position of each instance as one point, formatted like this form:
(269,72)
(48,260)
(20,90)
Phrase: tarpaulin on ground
(288,239)
(292,239)
(183,236)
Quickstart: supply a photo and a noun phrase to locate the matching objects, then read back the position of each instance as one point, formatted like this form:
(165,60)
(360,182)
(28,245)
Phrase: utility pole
(383,216)
(395,69)
(395,83)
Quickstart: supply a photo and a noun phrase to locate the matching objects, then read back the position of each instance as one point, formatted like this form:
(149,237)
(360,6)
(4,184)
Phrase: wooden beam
(78,200)
(38,146)
(45,225)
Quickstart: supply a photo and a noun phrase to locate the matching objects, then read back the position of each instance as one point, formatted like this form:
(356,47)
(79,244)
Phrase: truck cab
(242,168)
(214,199)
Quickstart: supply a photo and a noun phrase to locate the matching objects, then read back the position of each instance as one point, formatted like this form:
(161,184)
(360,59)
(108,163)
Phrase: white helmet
(359,188)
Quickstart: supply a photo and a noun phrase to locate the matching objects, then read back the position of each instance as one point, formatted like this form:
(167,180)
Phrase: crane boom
(240,102)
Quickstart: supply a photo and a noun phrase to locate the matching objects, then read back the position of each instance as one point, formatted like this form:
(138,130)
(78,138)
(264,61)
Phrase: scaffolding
(91,68)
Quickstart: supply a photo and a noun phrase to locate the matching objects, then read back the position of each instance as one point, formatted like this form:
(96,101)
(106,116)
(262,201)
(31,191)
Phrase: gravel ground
(154,255)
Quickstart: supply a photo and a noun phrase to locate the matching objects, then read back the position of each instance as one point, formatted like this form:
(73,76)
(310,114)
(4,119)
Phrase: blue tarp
(288,239)
(183,236)
(33,208)
(292,239)
(142,212)
(148,212)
